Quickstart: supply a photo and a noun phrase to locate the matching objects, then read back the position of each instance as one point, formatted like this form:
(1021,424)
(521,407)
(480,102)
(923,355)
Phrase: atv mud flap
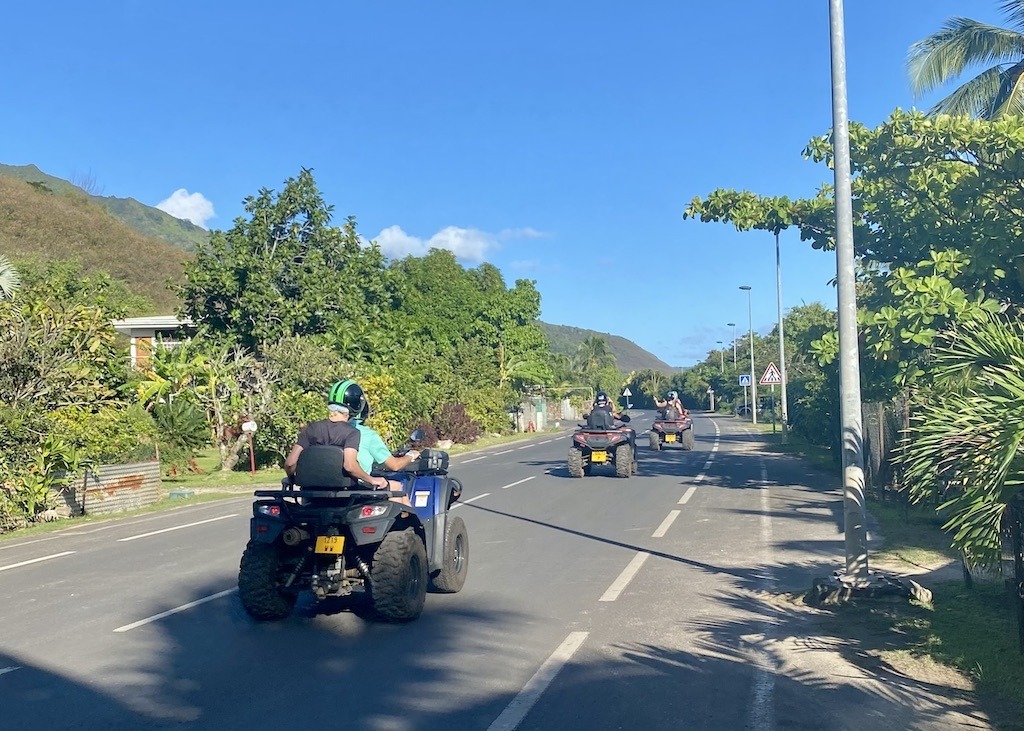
(265,529)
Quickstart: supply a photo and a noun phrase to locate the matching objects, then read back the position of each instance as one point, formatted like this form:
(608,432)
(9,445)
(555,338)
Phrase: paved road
(599,603)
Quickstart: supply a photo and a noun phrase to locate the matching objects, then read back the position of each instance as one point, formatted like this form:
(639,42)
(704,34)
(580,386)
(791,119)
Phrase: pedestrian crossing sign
(745,379)
(772,376)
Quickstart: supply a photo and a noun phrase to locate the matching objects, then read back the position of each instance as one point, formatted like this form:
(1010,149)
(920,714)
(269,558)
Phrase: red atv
(603,445)
(672,429)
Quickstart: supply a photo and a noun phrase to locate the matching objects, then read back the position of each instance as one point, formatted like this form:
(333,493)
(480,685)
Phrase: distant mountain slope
(628,355)
(147,220)
(36,224)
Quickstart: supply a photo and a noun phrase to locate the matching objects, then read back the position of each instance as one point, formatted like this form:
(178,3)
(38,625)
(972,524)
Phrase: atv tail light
(272,510)
(369,529)
(370,511)
(262,528)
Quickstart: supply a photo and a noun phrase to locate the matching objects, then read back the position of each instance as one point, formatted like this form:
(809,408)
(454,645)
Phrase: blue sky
(559,140)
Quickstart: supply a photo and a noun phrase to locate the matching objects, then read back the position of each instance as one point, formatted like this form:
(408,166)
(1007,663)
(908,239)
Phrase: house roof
(157,322)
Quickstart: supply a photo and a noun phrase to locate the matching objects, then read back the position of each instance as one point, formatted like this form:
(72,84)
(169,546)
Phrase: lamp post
(753,376)
(854,513)
(721,355)
(733,326)
(782,338)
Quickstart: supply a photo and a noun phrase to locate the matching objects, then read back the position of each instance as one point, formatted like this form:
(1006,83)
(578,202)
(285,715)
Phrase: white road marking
(177,527)
(518,482)
(687,495)
(525,446)
(475,459)
(35,560)
(623,579)
(666,524)
(4,671)
(472,499)
(507,451)
(761,706)
(546,441)
(182,608)
(707,465)
(699,478)
(516,711)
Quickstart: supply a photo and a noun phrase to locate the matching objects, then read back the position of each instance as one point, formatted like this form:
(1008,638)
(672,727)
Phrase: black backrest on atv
(323,466)
(600,419)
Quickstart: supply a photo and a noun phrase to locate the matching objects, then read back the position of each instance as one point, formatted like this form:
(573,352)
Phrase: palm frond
(976,98)
(1010,100)
(1014,12)
(10,280)
(960,44)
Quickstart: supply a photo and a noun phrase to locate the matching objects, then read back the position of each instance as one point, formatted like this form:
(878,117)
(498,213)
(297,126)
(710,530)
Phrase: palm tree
(963,43)
(593,354)
(10,281)
(966,444)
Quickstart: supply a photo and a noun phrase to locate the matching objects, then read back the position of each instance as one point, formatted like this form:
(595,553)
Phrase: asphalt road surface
(594,603)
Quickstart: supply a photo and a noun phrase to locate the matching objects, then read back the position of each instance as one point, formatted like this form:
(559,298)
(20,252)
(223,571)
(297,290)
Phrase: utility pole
(782,338)
(753,376)
(733,326)
(721,353)
(849,350)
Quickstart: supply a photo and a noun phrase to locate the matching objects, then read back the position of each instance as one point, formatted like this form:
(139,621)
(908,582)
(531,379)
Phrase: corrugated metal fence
(114,488)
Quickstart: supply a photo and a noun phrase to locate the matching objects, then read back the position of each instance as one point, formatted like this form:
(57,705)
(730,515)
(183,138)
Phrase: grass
(912,534)
(212,478)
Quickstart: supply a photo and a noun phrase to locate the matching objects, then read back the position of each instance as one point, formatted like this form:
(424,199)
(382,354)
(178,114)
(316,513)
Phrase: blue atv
(325,534)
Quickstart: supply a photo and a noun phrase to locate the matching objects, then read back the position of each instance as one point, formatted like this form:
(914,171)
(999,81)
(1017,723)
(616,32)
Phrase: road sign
(772,376)
(627,392)
(745,380)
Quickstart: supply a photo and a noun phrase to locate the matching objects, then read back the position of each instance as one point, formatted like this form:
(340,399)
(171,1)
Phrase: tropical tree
(9,279)
(966,443)
(963,43)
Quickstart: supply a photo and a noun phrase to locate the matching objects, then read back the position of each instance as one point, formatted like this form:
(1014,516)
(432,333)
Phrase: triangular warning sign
(772,376)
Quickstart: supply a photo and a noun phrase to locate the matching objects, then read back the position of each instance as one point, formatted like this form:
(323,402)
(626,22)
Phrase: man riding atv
(671,409)
(603,416)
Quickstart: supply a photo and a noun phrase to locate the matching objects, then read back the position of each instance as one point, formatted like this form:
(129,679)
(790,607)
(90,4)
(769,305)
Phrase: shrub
(429,435)
(452,422)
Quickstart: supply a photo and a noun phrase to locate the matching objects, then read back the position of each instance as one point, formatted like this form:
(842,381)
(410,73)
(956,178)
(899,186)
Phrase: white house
(146,332)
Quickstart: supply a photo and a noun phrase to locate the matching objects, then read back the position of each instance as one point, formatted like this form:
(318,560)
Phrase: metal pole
(733,326)
(849,355)
(721,354)
(782,339)
(753,377)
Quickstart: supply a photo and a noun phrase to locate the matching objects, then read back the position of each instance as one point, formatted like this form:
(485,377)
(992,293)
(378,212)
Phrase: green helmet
(350,395)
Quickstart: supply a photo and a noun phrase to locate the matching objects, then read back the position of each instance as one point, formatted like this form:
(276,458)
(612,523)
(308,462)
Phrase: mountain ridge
(629,356)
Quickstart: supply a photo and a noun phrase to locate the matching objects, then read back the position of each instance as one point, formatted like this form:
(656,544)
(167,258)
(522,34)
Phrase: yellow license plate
(330,544)
(598,456)
(670,437)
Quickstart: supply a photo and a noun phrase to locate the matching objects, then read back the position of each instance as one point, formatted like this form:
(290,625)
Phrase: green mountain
(146,220)
(37,223)
(628,355)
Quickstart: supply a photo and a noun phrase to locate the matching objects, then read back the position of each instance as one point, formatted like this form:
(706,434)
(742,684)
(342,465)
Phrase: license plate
(598,456)
(670,437)
(330,544)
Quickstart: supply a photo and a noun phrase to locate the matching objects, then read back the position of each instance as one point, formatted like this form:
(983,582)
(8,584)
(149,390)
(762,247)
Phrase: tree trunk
(231,458)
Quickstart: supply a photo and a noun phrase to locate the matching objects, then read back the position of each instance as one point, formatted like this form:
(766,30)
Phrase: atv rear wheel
(398,577)
(259,575)
(575,462)
(623,460)
(688,441)
(452,575)
(655,441)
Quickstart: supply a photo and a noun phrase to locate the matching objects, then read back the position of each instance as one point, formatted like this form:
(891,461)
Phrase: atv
(325,534)
(672,429)
(599,445)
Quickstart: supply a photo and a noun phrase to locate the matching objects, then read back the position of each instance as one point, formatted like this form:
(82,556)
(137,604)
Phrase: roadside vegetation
(284,303)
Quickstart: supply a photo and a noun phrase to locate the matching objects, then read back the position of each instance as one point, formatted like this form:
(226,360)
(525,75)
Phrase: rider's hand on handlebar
(381,483)
(413,455)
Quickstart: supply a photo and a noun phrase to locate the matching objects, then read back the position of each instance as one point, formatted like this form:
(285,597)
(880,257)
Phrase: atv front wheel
(452,575)
(398,577)
(655,441)
(688,440)
(575,462)
(623,460)
(258,578)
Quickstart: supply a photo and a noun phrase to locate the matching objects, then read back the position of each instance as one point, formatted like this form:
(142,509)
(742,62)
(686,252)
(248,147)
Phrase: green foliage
(966,443)
(285,271)
(66,282)
(109,434)
(565,340)
(10,279)
(181,428)
(284,417)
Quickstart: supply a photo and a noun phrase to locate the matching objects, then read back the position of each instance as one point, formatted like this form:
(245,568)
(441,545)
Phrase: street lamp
(782,337)
(733,326)
(721,355)
(753,376)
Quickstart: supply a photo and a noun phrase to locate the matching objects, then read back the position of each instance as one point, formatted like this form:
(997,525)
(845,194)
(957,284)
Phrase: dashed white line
(177,527)
(623,579)
(11,669)
(471,500)
(546,441)
(707,465)
(182,608)
(507,451)
(525,446)
(687,495)
(475,459)
(516,711)
(666,524)
(35,560)
(518,482)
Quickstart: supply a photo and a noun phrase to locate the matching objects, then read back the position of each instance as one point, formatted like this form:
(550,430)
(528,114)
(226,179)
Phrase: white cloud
(469,244)
(192,207)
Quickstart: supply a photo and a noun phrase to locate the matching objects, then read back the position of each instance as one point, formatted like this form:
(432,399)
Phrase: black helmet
(601,399)
(350,395)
